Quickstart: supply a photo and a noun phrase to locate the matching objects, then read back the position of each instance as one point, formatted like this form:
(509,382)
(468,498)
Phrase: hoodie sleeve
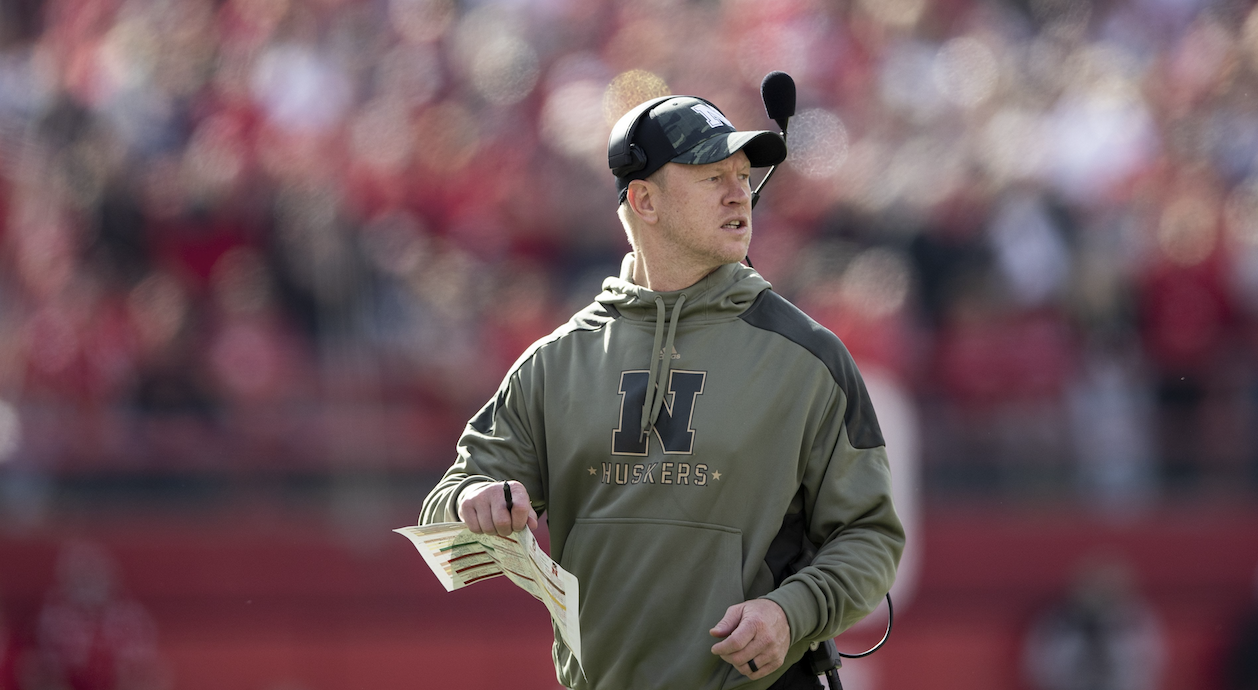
(496,445)
(848,501)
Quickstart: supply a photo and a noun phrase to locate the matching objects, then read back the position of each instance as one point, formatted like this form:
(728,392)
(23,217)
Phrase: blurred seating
(257,233)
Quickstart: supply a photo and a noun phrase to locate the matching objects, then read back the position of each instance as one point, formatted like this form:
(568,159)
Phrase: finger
(733,615)
(532,518)
(501,518)
(484,520)
(760,669)
(740,657)
(736,642)
(520,507)
(763,658)
(471,511)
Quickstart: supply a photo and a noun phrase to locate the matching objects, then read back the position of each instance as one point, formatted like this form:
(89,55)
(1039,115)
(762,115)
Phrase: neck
(666,278)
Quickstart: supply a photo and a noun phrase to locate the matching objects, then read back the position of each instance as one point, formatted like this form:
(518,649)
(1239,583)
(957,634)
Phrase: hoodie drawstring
(656,387)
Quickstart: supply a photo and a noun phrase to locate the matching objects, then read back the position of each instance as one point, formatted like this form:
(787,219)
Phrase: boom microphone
(778,93)
(777,90)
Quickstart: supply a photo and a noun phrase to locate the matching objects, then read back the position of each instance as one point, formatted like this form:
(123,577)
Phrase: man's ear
(641,199)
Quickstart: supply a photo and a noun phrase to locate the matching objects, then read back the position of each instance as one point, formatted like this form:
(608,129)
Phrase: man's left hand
(754,631)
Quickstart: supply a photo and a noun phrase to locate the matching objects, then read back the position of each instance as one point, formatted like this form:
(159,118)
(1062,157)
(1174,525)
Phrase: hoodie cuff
(800,607)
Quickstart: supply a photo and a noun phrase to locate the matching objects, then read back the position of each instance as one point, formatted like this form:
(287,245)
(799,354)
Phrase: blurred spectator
(1241,663)
(1102,636)
(89,635)
(1111,422)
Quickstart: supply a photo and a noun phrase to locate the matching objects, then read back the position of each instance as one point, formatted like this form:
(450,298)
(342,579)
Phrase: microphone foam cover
(778,92)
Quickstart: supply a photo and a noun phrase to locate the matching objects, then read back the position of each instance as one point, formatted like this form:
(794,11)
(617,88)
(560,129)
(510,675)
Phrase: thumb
(733,615)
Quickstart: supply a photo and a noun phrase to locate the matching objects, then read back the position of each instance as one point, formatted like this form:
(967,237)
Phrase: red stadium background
(261,259)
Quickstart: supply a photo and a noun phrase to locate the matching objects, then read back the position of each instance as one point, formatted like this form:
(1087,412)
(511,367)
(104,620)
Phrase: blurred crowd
(238,235)
(87,633)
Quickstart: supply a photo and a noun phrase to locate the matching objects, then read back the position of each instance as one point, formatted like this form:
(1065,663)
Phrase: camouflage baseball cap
(692,131)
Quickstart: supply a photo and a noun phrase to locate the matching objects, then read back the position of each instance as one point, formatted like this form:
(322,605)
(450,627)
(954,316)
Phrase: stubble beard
(707,252)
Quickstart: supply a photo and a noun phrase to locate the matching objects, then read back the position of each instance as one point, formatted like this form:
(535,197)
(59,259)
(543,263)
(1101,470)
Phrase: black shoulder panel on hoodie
(772,312)
(592,318)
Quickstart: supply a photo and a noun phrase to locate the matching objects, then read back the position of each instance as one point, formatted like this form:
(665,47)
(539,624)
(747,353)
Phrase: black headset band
(621,149)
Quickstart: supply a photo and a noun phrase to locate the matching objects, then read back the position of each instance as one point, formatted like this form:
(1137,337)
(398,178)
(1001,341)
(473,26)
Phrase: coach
(713,470)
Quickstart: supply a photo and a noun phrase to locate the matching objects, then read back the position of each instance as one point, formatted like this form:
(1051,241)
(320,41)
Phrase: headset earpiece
(623,156)
(637,160)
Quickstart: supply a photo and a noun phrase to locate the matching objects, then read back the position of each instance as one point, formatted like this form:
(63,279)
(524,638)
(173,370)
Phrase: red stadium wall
(263,606)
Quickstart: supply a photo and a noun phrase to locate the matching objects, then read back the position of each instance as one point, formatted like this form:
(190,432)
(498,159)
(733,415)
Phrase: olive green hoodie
(762,415)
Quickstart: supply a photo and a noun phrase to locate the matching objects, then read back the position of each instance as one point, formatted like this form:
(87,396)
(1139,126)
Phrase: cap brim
(763,148)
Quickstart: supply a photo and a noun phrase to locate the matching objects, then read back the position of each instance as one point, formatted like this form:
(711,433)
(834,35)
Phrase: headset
(623,156)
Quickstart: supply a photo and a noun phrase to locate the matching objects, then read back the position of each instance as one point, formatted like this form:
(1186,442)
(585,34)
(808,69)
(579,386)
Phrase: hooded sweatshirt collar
(722,294)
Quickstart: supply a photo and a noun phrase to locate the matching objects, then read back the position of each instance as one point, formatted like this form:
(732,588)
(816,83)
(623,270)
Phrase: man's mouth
(735,225)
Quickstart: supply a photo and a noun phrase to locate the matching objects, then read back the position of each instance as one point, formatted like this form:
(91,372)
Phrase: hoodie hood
(722,294)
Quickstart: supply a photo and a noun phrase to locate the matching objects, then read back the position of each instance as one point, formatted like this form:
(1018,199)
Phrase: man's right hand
(483,508)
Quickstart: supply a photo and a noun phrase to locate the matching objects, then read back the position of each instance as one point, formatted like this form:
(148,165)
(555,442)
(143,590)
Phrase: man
(714,473)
